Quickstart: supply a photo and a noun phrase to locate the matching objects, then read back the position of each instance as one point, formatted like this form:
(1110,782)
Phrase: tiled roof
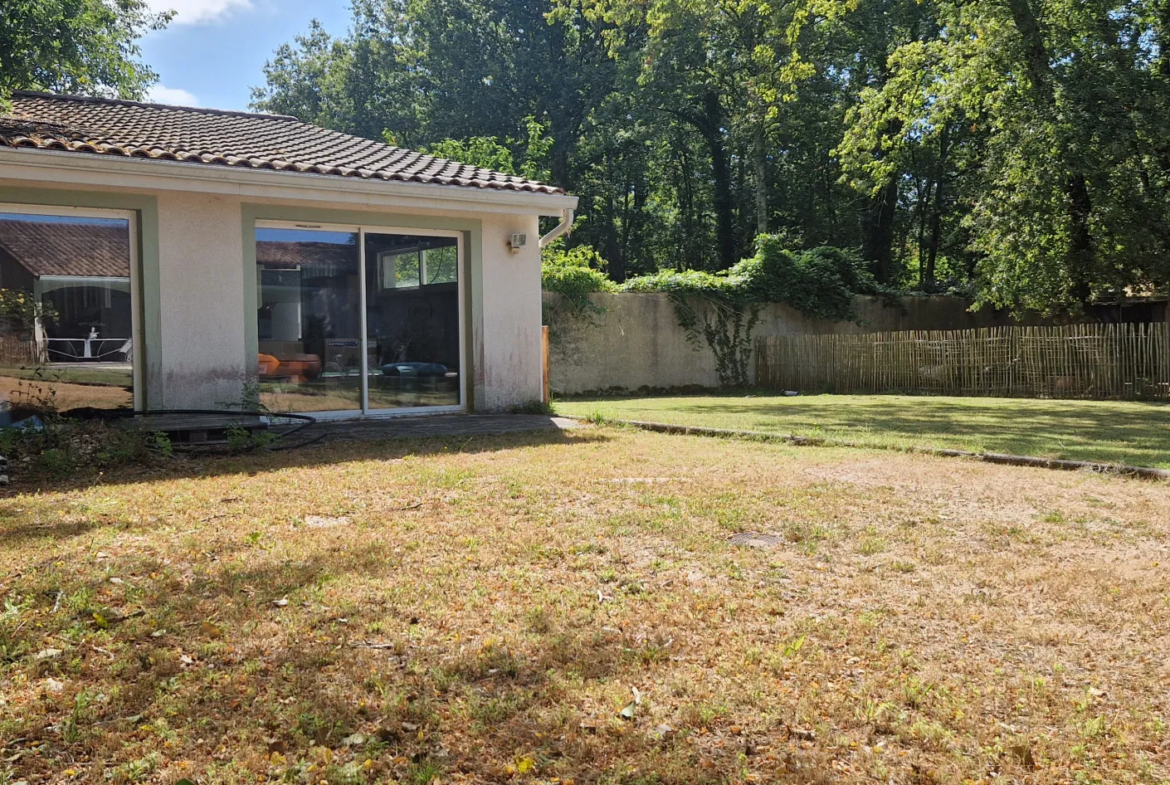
(100,126)
(43,248)
(276,254)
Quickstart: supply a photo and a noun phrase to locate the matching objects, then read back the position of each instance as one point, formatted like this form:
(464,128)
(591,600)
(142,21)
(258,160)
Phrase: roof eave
(89,169)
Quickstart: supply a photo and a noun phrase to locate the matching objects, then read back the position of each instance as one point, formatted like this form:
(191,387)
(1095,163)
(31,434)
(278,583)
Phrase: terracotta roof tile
(100,249)
(101,126)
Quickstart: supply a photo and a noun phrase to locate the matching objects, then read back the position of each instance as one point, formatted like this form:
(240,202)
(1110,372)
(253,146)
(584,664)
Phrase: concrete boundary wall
(634,341)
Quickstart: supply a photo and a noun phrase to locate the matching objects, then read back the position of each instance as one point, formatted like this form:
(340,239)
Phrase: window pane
(66,318)
(442,264)
(308,320)
(413,329)
(400,270)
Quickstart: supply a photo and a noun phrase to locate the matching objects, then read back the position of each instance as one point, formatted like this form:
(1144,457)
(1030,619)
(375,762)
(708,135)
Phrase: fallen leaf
(1023,755)
(661,732)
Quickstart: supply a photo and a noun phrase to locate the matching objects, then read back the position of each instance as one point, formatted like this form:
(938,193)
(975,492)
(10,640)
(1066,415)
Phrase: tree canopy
(87,47)
(1015,150)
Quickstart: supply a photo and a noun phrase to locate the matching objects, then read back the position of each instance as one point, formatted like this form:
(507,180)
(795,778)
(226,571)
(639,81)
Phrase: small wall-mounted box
(517,242)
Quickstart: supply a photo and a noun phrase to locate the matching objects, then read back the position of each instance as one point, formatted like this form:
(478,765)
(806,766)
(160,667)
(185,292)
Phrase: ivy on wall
(574,275)
(722,309)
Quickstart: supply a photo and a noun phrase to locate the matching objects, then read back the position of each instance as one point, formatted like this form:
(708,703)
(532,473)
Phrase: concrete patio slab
(373,429)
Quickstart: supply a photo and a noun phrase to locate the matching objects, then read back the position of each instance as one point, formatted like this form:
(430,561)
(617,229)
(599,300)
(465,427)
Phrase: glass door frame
(361,230)
(136,319)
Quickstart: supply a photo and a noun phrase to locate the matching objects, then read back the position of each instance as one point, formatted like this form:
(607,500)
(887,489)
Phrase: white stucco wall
(511,358)
(202,307)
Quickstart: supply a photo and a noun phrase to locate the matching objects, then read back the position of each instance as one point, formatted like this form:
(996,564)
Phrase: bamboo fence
(1106,361)
(15,350)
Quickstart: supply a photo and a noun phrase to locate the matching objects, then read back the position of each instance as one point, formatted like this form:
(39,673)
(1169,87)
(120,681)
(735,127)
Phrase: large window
(357,320)
(67,313)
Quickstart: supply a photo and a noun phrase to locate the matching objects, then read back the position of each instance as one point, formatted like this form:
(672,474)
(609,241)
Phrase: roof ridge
(146,104)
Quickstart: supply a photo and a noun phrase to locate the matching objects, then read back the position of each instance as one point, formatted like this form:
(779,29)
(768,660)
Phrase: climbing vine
(720,309)
(723,309)
(574,275)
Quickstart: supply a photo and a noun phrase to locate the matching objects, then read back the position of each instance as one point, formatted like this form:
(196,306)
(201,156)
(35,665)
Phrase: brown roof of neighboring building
(105,126)
(68,248)
(281,254)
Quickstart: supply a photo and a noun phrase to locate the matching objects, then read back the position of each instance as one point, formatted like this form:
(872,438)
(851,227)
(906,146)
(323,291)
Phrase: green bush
(65,448)
(820,283)
(574,274)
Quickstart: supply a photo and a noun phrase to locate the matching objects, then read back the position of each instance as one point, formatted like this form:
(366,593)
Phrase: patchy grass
(1128,432)
(483,611)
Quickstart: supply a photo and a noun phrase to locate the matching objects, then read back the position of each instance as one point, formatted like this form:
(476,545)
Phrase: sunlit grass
(567,607)
(1105,431)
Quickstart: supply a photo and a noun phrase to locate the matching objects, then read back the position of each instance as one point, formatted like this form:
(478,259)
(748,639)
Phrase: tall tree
(1056,102)
(75,46)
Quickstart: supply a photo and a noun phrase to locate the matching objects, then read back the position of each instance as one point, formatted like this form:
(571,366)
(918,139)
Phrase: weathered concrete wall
(635,340)
(511,365)
(202,307)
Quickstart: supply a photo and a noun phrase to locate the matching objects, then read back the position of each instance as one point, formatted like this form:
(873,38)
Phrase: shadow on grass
(339,448)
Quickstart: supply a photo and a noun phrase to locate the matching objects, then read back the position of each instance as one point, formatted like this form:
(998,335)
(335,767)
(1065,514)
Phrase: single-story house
(230,253)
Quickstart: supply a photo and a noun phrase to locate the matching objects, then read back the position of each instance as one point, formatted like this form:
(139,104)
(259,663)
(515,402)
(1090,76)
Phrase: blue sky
(213,50)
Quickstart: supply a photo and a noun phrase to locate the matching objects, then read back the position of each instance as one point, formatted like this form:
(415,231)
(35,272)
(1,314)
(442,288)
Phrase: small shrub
(56,463)
(242,440)
(64,447)
(574,274)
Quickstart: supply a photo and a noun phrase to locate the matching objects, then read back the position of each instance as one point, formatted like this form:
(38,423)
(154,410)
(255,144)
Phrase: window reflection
(412,320)
(308,320)
(310,311)
(66,314)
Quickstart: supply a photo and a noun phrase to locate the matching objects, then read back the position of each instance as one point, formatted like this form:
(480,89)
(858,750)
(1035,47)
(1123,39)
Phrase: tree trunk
(760,164)
(937,204)
(877,232)
(711,129)
(1080,202)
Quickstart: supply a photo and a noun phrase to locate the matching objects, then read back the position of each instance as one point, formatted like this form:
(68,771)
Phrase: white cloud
(189,12)
(161,94)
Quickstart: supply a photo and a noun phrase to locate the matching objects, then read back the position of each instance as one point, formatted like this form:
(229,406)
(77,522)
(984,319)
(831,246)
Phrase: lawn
(486,611)
(1127,432)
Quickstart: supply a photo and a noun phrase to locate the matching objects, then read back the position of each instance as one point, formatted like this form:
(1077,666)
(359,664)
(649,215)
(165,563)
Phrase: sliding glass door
(309,320)
(412,320)
(350,319)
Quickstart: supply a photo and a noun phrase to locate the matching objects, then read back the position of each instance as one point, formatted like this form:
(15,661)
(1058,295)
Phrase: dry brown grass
(480,612)
(68,396)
